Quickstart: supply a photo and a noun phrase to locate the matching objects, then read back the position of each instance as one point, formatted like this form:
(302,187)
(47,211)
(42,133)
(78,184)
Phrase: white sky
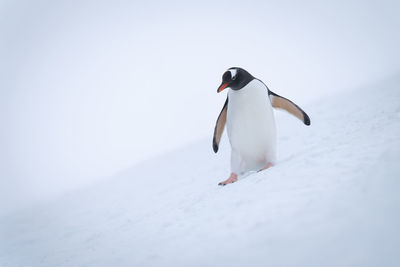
(88,88)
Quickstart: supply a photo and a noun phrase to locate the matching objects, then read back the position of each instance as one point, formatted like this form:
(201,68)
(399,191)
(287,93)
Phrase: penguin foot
(269,165)
(233,178)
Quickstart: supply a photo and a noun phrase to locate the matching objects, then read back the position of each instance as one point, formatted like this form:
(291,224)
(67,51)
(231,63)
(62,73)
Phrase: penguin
(249,118)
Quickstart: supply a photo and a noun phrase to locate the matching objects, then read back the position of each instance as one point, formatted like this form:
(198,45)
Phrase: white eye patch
(233,73)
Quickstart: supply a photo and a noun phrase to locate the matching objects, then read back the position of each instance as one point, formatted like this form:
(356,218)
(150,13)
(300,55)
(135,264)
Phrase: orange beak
(222,87)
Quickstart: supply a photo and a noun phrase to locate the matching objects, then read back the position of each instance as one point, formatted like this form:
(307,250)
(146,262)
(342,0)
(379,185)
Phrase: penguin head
(235,78)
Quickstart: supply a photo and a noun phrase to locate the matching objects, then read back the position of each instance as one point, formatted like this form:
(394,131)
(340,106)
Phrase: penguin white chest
(251,128)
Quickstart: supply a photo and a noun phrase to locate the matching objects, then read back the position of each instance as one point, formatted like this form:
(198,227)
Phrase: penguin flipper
(280,102)
(219,126)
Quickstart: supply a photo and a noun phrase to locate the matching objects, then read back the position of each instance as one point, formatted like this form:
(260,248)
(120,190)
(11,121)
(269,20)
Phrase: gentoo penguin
(250,121)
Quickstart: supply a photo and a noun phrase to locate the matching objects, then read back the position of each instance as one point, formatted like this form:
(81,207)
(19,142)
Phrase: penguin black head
(235,78)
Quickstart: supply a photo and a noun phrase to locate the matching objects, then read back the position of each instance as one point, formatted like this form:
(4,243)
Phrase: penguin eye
(233,74)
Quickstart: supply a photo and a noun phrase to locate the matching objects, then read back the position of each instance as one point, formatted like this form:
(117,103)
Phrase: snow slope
(332,200)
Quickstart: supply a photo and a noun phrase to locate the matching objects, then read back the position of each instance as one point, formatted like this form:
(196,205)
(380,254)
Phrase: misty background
(89,88)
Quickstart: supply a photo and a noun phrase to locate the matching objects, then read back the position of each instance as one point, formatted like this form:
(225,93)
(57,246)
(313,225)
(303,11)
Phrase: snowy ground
(332,200)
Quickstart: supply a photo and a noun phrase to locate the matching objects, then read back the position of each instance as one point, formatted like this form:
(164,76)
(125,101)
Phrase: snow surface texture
(332,200)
